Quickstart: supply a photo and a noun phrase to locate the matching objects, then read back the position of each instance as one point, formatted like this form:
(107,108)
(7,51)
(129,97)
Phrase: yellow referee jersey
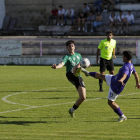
(106,48)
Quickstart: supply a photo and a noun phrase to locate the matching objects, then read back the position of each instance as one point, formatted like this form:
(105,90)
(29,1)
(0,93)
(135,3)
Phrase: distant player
(71,60)
(107,47)
(117,82)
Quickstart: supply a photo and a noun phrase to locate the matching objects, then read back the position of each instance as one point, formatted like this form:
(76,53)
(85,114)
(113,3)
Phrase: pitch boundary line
(30,107)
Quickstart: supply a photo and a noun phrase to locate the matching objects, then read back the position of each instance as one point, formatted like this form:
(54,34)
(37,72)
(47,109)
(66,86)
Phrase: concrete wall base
(50,59)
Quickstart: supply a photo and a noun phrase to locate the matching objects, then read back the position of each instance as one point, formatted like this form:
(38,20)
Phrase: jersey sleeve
(64,59)
(100,45)
(133,70)
(126,70)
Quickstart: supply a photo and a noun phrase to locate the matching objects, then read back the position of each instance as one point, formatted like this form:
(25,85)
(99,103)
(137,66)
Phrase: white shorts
(111,95)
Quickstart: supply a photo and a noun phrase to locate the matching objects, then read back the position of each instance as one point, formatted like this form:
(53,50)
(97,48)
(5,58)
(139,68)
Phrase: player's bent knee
(110,103)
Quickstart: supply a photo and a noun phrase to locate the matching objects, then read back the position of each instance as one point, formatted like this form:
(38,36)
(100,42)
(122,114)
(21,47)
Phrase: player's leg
(102,72)
(79,84)
(111,102)
(82,97)
(110,67)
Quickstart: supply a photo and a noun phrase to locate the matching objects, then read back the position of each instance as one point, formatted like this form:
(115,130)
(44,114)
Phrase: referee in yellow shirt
(107,47)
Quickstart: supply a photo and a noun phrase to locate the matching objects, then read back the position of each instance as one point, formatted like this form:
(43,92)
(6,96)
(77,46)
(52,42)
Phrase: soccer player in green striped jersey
(71,60)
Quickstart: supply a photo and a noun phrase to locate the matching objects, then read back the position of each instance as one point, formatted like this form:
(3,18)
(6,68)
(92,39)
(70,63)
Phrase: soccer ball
(85,63)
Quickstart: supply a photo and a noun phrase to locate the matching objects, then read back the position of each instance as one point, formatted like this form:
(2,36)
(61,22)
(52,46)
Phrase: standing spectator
(129,19)
(53,15)
(61,13)
(86,10)
(81,18)
(98,21)
(120,19)
(105,2)
(97,4)
(69,14)
(112,19)
(90,20)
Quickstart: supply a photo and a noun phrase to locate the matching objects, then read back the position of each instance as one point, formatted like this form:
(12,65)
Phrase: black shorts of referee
(106,64)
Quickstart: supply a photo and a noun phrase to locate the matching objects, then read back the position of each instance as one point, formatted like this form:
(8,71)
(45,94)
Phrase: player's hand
(121,82)
(54,66)
(97,61)
(114,56)
(137,86)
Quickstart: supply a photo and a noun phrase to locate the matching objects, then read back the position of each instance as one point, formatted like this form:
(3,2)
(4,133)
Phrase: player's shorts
(106,64)
(76,81)
(111,95)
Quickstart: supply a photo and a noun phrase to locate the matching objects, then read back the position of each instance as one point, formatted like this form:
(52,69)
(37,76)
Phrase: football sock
(74,108)
(100,83)
(118,111)
(92,74)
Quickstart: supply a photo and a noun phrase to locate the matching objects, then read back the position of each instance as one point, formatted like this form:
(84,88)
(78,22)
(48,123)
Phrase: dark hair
(85,3)
(120,11)
(127,54)
(70,42)
(109,32)
(60,6)
(129,11)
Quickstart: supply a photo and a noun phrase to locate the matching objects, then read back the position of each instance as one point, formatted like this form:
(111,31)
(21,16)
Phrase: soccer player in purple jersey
(117,82)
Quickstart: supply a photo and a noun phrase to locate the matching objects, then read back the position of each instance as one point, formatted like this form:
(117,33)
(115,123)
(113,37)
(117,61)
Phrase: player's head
(109,35)
(127,55)
(70,46)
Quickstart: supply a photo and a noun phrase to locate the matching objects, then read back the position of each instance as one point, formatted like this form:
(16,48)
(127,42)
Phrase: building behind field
(30,17)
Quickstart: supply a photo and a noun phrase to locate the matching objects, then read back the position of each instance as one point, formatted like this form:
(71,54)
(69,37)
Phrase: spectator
(90,20)
(129,19)
(108,3)
(69,14)
(112,19)
(98,21)
(97,4)
(105,2)
(53,15)
(120,20)
(61,13)
(81,18)
(86,10)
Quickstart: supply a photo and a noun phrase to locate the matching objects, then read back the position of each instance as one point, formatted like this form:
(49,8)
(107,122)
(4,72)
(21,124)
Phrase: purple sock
(118,111)
(92,74)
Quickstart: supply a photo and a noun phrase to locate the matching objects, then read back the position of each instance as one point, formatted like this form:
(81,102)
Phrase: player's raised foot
(78,70)
(122,118)
(85,71)
(71,113)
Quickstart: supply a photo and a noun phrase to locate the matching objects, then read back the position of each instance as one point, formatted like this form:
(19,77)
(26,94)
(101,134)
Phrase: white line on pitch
(60,104)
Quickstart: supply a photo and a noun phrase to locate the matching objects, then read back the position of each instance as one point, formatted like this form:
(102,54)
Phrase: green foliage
(39,110)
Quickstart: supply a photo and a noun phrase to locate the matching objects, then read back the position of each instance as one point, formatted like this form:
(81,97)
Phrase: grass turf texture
(43,113)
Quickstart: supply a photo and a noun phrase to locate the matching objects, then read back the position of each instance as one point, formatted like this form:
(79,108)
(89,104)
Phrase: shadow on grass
(53,98)
(36,91)
(28,122)
(133,118)
(32,117)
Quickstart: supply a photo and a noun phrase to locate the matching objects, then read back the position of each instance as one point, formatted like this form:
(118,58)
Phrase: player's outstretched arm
(137,80)
(60,65)
(123,78)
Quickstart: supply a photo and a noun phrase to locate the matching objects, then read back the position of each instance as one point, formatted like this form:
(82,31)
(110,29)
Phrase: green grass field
(35,101)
